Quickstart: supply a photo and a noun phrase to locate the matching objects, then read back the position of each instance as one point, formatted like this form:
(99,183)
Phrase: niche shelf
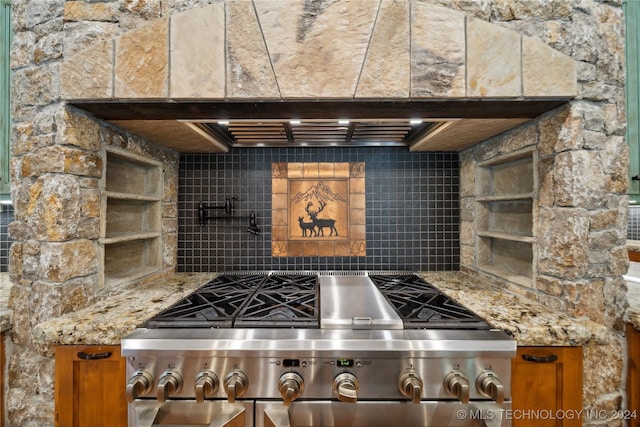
(131,233)
(506,203)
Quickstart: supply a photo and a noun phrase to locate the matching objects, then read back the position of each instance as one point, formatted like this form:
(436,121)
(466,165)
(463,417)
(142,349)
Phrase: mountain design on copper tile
(318,192)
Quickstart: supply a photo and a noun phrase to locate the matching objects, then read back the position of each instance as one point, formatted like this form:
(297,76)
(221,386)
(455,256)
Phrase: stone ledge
(530,323)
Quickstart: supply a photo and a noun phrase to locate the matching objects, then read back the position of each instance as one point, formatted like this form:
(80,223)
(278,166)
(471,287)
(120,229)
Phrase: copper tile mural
(318,209)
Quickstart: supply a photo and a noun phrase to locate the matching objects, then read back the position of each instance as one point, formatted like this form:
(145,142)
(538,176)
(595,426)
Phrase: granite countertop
(5,311)
(632,315)
(530,323)
(110,320)
(632,278)
(633,245)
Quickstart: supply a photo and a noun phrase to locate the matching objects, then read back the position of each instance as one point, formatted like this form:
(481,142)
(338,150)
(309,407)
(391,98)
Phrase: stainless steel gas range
(318,349)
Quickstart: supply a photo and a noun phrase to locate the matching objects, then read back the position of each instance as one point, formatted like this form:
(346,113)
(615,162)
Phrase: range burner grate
(289,283)
(422,306)
(235,282)
(292,300)
(246,300)
(279,309)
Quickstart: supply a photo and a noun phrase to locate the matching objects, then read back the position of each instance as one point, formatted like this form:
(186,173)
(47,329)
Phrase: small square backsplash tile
(633,226)
(6,217)
(410,220)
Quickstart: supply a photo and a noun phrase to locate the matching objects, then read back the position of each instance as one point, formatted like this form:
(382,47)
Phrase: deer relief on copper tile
(318,209)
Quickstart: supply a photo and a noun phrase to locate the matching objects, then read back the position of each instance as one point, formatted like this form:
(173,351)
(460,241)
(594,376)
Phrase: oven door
(382,413)
(189,413)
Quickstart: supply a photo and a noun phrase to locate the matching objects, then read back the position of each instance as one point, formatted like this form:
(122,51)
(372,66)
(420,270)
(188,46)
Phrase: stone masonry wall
(57,166)
(582,184)
(57,155)
(581,252)
(55,259)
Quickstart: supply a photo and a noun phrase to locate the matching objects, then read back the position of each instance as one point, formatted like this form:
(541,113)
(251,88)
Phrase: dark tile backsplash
(6,216)
(411,202)
(633,226)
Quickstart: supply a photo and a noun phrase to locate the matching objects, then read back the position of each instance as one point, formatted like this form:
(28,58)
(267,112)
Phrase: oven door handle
(146,414)
(494,413)
(276,417)
(229,415)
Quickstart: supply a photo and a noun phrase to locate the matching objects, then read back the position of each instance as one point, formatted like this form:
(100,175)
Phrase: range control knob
(140,383)
(489,385)
(206,385)
(457,384)
(170,382)
(345,387)
(410,385)
(235,385)
(290,387)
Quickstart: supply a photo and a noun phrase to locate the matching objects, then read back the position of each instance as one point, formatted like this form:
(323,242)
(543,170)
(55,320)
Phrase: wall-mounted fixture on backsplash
(228,207)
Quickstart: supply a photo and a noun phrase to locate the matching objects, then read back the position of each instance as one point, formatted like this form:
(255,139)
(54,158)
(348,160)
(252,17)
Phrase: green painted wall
(632,18)
(5,91)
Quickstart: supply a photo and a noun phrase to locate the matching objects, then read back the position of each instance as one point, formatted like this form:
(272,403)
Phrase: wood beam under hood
(447,124)
(456,135)
(176,135)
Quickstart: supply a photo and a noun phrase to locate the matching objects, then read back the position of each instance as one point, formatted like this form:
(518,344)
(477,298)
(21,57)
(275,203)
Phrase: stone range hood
(465,78)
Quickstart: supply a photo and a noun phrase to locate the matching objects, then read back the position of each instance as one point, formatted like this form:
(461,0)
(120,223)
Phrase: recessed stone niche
(506,196)
(318,209)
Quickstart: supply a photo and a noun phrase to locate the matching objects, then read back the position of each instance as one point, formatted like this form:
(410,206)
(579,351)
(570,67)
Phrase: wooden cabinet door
(545,380)
(90,387)
(633,375)
(3,336)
